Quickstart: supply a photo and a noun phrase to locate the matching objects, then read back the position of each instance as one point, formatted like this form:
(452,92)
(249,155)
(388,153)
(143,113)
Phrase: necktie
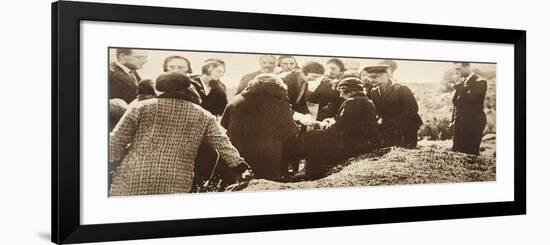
(133,76)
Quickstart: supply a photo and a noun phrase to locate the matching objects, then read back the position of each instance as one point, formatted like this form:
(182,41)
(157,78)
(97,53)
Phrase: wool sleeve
(215,136)
(123,134)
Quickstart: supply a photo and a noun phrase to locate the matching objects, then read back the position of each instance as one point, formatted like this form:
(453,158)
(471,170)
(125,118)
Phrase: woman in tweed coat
(156,142)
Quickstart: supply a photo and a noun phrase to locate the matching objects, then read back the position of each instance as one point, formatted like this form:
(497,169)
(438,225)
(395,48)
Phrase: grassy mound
(432,162)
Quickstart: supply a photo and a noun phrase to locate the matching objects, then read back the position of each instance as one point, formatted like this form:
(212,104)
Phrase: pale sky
(237,65)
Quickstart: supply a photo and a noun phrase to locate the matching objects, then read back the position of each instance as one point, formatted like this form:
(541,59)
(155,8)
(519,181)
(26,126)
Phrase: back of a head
(172,81)
(266,84)
(313,67)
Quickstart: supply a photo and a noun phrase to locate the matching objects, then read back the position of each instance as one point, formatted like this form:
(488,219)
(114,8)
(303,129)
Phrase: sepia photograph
(208,121)
(170,122)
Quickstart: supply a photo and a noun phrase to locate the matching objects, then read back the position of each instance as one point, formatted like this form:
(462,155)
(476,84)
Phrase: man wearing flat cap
(397,108)
(352,132)
(392,67)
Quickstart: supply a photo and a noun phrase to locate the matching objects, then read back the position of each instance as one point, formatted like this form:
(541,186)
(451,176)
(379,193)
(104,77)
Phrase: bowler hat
(172,81)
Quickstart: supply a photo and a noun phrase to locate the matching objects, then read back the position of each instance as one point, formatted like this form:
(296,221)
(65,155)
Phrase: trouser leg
(410,137)
(323,151)
(467,138)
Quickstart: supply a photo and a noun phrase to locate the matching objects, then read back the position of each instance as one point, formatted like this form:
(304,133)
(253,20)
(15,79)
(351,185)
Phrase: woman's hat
(351,83)
(172,81)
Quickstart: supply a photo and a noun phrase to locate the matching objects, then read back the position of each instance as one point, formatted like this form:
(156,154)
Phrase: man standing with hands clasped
(469,119)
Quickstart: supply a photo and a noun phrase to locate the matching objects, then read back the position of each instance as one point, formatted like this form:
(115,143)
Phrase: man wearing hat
(392,67)
(396,106)
(352,132)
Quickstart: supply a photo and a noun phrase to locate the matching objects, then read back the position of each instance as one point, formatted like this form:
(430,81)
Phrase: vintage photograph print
(186,121)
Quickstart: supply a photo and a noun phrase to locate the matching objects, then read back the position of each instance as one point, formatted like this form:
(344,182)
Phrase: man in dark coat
(211,90)
(267,65)
(353,132)
(326,94)
(297,85)
(123,76)
(469,118)
(397,109)
(259,122)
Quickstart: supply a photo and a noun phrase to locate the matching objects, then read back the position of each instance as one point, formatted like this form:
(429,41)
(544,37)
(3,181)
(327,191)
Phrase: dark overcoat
(355,132)
(328,98)
(258,122)
(398,109)
(356,125)
(121,85)
(216,100)
(468,116)
(297,92)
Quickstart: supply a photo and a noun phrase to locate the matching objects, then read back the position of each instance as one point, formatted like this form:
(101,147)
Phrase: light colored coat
(156,142)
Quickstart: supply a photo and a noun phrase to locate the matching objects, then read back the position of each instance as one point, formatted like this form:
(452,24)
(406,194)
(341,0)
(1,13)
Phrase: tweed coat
(157,142)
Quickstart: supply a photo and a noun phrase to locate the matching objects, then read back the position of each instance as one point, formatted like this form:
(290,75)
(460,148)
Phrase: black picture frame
(66,18)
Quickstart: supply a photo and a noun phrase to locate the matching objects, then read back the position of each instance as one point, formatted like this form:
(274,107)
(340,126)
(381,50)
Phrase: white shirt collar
(469,76)
(205,86)
(125,68)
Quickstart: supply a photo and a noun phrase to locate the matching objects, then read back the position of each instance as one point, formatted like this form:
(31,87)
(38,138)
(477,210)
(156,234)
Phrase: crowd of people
(180,133)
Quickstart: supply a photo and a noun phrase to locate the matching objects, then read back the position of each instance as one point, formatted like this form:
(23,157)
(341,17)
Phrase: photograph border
(65,140)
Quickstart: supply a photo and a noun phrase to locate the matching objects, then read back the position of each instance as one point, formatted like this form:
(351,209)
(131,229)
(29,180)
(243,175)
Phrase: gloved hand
(243,171)
(247,175)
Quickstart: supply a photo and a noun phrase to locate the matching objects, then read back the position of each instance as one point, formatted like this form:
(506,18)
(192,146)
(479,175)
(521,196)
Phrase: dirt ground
(431,162)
